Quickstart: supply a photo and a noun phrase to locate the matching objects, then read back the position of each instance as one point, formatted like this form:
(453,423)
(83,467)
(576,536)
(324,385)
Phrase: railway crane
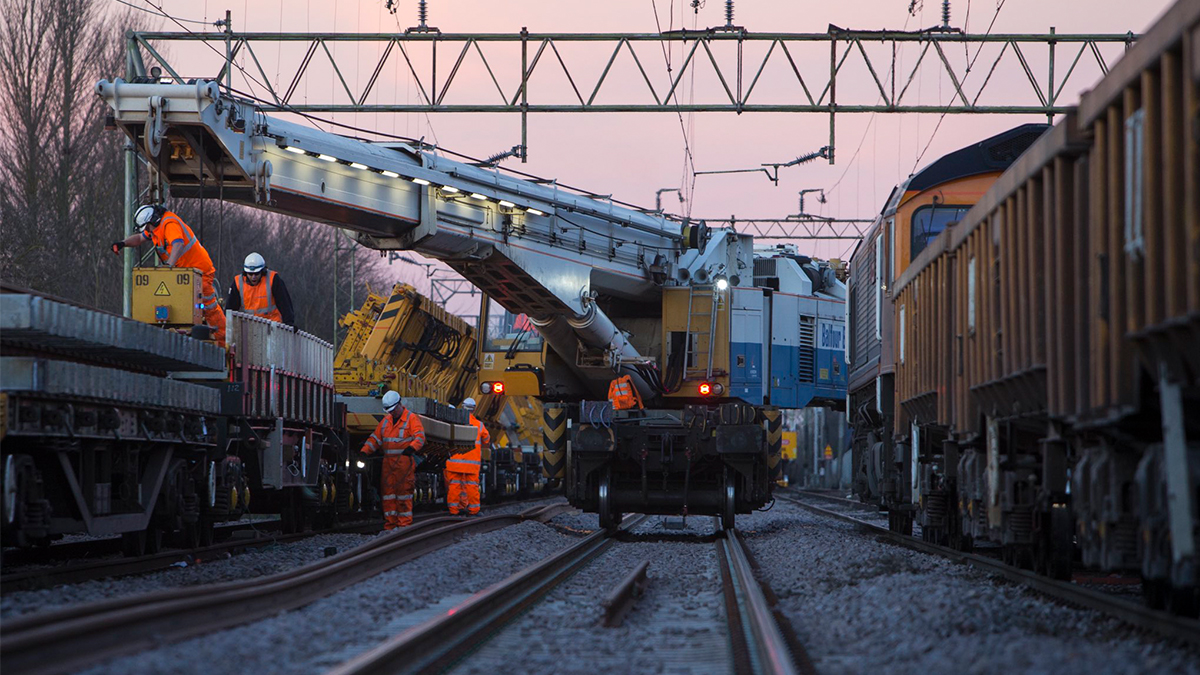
(718,337)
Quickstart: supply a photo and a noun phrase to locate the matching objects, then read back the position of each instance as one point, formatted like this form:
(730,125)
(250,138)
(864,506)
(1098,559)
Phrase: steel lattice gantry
(736,59)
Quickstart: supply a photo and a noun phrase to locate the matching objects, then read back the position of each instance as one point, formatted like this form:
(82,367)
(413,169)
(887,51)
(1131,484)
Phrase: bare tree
(61,184)
(59,188)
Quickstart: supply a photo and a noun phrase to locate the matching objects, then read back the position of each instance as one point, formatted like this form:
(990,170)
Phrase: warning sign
(828,452)
(489,361)
(162,289)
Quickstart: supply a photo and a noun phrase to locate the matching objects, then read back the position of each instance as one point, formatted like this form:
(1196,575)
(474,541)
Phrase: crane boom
(536,247)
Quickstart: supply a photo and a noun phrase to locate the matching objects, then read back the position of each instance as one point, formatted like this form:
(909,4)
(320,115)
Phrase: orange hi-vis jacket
(623,394)
(399,480)
(394,436)
(471,460)
(258,299)
(172,232)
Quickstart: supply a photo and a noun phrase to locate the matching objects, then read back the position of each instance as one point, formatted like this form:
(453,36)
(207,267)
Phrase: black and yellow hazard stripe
(773,421)
(554,441)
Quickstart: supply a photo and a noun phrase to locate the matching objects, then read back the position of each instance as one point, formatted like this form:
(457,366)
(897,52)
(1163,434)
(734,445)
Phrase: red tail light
(705,389)
(498,388)
(711,389)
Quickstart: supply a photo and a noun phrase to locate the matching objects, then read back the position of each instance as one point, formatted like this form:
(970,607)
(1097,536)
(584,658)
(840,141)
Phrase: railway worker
(399,435)
(269,300)
(177,246)
(623,395)
(462,470)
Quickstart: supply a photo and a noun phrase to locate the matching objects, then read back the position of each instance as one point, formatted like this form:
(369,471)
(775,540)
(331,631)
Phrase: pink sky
(632,155)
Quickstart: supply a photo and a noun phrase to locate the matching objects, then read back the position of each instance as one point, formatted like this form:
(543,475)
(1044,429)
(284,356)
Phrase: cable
(623,241)
(143,9)
(870,122)
(682,127)
(999,6)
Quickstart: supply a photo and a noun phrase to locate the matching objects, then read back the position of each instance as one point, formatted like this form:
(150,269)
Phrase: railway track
(759,643)
(71,639)
(112,567)
(1133,613)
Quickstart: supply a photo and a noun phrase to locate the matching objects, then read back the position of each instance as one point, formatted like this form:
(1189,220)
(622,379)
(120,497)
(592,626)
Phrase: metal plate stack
(427,407)
(287,373)
(34,323)
(80,381)
(53,350)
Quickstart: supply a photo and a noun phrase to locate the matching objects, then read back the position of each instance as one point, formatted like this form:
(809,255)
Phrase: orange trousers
(462,492)
(399,481)
(213,314)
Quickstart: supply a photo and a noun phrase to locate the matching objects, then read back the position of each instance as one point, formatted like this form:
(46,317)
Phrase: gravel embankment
(252,563)
(860,605)
(337,628)
(678,626)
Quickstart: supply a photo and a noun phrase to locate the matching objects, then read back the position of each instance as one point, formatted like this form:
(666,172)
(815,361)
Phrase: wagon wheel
(728,501)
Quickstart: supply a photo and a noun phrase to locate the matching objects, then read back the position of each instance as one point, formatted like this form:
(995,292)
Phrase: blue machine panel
(746,344)
(808,338)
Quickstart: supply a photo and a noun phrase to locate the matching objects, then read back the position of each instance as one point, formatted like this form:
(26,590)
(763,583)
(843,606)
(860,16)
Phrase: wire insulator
(422,13)
(945,13)
(728,12)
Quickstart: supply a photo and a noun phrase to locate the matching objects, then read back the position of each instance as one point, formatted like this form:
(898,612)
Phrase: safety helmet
(148,216)
(390,401)
(254,264)
(468,403)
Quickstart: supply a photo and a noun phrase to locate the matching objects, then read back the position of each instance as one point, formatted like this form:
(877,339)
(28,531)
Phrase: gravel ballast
(678,626)
(248,564)
(323,634)
(856,603)
(860,605)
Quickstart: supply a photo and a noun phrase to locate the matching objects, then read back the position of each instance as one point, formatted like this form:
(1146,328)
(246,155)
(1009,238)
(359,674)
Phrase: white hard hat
(390,400)
(145,215)
(468,403)
(254,263)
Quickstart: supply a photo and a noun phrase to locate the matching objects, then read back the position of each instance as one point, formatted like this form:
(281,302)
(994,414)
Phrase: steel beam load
(32,375)
(35,324)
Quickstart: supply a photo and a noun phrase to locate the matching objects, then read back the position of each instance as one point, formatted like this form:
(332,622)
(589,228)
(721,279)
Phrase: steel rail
(757,644)
(71,639)
(436,644)
(622,596)
(1162,623)
(73,573)
(103,546)
(90,570)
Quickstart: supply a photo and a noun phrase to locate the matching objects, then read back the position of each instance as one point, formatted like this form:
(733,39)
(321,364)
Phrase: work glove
(117,246)
(408,452)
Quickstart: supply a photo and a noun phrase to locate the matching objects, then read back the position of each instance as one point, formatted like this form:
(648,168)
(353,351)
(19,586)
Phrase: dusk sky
(632,155)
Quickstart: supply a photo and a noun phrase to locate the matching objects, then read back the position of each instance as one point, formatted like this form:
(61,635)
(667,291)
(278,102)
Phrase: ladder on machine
(703,315)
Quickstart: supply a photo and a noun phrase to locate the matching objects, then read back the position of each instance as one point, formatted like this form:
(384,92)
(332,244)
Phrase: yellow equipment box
(168,296)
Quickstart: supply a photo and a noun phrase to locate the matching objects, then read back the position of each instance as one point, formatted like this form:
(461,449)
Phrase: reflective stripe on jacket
(259,299)
(394,436)
(471,460)
(172,232)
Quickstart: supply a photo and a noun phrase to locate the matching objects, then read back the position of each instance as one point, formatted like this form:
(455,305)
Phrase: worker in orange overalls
(462,470)
(623,395)
(261,292)
(400,434)
(177,246)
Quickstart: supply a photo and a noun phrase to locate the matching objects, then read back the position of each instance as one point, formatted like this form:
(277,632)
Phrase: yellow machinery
(406,343)
(167,296)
